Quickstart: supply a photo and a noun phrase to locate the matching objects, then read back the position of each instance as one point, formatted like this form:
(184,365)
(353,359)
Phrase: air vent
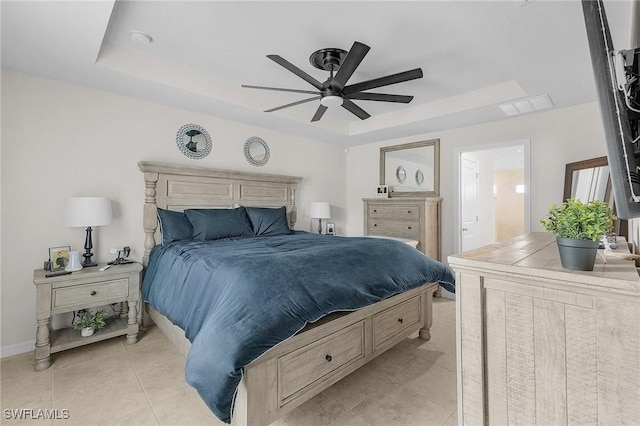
(525,106)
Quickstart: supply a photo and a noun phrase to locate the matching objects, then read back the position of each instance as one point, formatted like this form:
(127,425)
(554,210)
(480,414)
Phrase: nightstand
(83,289)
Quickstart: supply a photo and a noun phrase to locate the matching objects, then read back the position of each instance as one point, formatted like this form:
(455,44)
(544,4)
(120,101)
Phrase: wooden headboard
(177,187)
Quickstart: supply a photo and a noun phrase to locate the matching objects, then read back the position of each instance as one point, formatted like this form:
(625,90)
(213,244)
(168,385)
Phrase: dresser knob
(93,293)
(409,211)
(408,227)
(375,224)
(400,320)
(375,211)
(328,358)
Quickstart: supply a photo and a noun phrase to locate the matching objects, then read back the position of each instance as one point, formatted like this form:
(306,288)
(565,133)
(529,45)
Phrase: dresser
(412,218)
(87,288)
(539,344)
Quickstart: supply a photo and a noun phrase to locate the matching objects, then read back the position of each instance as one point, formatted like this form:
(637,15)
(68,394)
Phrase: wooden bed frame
(322,353)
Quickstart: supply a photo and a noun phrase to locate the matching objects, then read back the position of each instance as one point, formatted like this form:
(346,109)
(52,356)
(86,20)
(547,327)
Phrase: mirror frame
(182,146)
(580,165)
(620,226)
(247,153)
(436,167)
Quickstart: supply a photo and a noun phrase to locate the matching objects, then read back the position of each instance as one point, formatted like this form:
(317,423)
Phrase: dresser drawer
(395,211)
(301,368)
(89,294)
(388,323)
(390,228)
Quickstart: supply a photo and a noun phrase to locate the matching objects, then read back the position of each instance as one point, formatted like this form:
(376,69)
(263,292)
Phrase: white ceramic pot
(86,332)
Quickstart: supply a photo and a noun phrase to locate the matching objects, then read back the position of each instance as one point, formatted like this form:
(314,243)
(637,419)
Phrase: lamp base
(89,265)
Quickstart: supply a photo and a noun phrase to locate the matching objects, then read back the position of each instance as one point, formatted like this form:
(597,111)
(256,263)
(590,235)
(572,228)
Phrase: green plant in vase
(578,228)
(88,322)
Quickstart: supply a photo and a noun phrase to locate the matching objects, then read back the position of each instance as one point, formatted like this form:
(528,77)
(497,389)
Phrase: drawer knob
(328,358)
(409,211)
(375,210)
(375,224)
(408,227)
(93,293)
(400,320)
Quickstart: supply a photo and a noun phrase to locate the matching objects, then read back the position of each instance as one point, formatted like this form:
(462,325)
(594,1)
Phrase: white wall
(62,140)
(557,137)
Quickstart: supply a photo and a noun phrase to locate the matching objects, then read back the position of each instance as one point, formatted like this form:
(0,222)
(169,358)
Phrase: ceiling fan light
(331,101)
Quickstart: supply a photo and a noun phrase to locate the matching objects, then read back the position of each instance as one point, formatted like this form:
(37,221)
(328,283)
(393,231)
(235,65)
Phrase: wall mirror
(589,180)
(416,159)
(256,151)
(194,141)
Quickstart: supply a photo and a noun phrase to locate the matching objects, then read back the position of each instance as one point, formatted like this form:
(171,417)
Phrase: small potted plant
(87,322)
(578,228)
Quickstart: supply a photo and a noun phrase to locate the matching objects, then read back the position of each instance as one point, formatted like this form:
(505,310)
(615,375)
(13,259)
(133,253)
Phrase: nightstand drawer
(89,294)
(389,323)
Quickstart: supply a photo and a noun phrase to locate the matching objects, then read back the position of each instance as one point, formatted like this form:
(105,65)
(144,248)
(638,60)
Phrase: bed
(322,351)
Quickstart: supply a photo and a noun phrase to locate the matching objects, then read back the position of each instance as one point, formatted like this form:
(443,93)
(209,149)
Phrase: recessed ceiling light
(140,37)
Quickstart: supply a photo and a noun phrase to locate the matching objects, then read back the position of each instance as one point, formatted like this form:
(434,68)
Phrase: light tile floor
(111,383)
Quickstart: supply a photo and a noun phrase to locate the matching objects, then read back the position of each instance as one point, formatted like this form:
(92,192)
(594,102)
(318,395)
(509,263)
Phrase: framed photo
(331,228)
(59,257)
(383,191)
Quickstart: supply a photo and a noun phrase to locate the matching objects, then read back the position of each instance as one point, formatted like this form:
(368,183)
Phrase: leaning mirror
(418,159)
(588,180)
(194,141)
(256,151)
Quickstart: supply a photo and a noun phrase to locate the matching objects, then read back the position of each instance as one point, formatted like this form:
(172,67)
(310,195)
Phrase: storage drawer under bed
(309,364)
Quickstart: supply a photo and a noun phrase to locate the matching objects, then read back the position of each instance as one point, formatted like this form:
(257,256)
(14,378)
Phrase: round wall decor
(401,174)
(256,151)
(194,141)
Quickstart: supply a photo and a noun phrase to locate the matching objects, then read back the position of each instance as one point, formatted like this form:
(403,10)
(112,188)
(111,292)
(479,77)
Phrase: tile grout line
(135,372)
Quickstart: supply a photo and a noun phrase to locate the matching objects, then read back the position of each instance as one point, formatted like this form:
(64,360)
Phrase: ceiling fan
(334,92)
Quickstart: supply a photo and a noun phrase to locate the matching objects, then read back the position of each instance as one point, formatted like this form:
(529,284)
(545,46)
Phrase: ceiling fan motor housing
(328,59)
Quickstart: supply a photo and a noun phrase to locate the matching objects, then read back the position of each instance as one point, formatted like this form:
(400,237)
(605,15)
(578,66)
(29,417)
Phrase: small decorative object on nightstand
(88,288)
(331,228)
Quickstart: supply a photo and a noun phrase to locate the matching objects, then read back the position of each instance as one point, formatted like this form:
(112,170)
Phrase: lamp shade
(320,210)
(87,211)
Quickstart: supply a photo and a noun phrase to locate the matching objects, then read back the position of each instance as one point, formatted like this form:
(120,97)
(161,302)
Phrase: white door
(469,238)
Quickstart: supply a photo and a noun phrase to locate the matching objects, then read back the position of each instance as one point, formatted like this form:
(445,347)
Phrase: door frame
(526,144)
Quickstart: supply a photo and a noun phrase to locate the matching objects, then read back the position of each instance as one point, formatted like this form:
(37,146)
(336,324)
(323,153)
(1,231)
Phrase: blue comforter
(237,298)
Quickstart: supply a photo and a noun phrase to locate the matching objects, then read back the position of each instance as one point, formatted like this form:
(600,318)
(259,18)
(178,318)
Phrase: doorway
(493,194)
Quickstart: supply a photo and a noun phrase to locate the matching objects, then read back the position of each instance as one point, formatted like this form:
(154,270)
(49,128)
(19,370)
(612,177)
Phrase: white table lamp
(320,210)
(88,211)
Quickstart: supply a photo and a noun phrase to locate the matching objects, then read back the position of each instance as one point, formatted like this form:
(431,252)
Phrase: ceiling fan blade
(293,104)
(297,71)
(383,81)
(355,109)
(319,112)
(280,89)
(364,96)
(349,65)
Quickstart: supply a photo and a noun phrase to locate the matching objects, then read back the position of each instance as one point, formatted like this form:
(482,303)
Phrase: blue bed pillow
(269,221)
(213,224)
(174,226)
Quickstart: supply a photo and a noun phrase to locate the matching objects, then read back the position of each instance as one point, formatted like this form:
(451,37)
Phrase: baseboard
(17,348)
